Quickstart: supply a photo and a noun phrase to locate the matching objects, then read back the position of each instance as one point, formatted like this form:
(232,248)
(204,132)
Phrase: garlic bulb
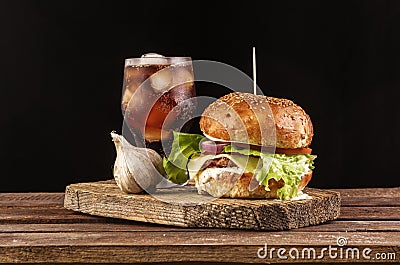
(136,169)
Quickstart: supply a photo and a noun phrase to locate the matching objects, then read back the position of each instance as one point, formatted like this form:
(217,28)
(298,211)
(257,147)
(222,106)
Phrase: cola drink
(156,94)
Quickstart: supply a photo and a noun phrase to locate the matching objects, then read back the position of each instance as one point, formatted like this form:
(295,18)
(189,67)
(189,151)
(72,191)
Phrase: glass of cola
(157,92)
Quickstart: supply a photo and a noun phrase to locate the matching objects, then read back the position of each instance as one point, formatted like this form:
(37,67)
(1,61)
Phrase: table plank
(208,237)
(132,226)
(370,192)
(216,246)
(31,199)
(369,213)
(51,214)
(193,255)
(370,197)
(354,226)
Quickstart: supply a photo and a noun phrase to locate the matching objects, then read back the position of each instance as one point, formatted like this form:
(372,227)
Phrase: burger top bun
(257,120)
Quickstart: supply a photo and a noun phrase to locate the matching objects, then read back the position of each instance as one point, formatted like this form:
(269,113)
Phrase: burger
(252,146)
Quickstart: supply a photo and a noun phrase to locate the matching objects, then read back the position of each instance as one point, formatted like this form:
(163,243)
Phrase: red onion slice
(212,147)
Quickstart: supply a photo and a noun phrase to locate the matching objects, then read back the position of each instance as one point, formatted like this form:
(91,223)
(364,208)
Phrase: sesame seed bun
(257,120)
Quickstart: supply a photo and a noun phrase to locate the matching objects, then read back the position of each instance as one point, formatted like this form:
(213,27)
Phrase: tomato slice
(296,151)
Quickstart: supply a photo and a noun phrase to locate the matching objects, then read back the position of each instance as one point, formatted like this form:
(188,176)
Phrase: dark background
(62,67)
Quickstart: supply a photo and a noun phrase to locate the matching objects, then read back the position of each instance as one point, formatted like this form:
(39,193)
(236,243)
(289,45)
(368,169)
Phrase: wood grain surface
(36,228)
(182,207)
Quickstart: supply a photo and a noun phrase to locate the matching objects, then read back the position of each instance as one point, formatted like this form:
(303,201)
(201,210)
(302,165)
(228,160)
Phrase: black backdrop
(62,66)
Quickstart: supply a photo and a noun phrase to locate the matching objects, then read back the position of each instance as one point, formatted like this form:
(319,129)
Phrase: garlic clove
(136,169)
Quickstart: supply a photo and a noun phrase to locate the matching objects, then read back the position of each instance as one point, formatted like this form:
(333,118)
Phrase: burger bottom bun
(234,185)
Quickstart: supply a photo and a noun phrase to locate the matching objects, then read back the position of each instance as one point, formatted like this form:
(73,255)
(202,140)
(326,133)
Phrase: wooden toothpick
(254,72)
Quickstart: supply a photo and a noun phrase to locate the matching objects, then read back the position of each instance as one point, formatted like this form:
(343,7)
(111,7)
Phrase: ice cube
(151,54)
(182,76)
(140,102)
(153,58)
(132,86)
(126,98)
(161,80)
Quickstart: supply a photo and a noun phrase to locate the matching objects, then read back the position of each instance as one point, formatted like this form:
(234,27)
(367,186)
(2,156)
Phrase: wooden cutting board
(104,198)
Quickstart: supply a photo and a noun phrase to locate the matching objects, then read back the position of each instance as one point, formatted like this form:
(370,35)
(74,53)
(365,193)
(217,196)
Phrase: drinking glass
(156,93)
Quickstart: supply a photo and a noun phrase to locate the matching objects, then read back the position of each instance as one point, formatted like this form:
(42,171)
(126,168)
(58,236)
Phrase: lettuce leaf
(184,146)
(290,168)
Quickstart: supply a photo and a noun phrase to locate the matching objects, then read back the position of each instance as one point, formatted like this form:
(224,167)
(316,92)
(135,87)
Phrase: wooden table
(35,227)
